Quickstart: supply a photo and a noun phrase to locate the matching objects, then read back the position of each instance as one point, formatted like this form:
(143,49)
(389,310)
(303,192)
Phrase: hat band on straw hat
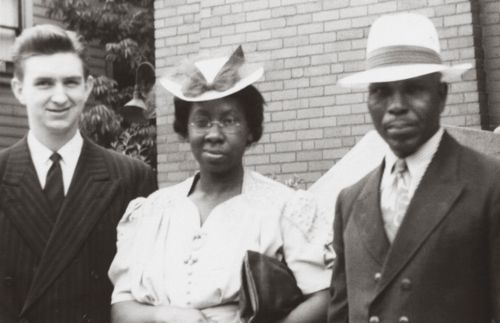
(401,55)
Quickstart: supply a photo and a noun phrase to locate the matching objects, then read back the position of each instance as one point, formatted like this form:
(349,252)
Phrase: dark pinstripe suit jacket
(57,272)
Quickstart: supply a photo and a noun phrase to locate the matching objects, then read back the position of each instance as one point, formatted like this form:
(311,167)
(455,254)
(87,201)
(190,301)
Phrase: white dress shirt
(40,155)
(417,164)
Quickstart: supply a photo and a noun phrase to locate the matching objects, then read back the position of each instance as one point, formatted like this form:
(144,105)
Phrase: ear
(89,85)
(17,88)
(249,139)
(443,94)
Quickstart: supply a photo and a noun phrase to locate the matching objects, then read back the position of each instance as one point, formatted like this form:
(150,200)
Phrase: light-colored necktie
(399,199)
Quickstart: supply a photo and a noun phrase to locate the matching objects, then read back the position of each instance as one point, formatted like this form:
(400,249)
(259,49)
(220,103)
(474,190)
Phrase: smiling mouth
(58,110)
(213,154)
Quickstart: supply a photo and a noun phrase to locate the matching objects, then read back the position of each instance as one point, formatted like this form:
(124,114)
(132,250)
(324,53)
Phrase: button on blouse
(166,257)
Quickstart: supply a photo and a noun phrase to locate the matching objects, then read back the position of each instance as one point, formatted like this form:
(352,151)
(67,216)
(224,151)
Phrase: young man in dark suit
(418,238)
(61,195)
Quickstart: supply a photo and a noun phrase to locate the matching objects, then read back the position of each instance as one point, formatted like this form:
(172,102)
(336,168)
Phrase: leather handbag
(268,291)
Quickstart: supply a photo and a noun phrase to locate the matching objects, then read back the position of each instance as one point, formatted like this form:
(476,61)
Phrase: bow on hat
(212,78)
(226,77)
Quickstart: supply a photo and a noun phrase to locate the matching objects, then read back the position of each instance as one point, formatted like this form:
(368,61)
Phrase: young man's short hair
(46,40)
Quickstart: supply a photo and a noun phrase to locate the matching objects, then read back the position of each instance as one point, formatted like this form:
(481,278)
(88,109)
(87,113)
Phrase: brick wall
(489,17)
(305,46)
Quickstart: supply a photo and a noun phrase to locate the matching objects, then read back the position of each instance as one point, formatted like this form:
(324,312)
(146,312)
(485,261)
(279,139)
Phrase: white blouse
(164,256)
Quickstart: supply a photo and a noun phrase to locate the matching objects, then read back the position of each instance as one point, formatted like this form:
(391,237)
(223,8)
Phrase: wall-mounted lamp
(135,110)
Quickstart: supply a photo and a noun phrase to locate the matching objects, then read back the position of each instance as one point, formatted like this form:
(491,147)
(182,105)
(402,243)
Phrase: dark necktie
(54,187)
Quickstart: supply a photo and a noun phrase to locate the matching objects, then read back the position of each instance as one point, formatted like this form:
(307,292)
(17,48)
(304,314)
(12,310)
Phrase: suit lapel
(23,199)
(90,192)
(368,218)
(439,189)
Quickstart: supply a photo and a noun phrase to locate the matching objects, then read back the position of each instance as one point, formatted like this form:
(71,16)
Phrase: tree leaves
(125,30)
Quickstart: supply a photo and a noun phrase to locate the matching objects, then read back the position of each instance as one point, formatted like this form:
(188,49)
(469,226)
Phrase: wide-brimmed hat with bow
(213,78)
(402,46)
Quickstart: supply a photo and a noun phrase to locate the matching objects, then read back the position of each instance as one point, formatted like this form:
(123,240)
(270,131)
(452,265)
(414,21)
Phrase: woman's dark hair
(249,98)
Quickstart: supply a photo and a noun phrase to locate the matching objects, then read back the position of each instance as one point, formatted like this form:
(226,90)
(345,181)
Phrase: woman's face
(218,134)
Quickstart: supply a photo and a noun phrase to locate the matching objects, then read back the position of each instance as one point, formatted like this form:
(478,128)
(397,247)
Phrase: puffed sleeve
(305,233)
(137,270)
(119,272)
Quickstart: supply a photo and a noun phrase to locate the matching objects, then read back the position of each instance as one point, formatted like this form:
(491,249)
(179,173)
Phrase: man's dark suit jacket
(57,272)
(444,263)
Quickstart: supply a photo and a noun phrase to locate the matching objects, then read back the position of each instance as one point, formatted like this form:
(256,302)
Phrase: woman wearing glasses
(182,248)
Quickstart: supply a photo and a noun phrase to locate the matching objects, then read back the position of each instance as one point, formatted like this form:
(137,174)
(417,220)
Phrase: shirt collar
(417,162)
(40,154)
(70,152)
(247,185)
(423,156)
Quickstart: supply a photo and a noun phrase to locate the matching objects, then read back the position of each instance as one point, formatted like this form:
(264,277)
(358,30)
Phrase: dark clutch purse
(268,291)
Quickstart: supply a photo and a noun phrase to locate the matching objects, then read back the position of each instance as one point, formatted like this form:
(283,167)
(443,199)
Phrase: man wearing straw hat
(418,238)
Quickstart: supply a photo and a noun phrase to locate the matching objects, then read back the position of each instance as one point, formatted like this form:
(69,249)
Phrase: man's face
(54,91)
(406,113)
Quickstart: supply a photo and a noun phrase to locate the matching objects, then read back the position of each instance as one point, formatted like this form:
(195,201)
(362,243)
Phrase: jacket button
(406,284)
(404,319)
(374,319)
(8,281)
(94,275)
(377,277)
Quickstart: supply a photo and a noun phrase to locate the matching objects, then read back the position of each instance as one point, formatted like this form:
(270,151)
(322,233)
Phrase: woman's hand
(174,314)
(134,312)
(313,309)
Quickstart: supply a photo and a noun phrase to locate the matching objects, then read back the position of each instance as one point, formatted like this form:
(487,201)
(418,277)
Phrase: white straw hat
(402,46)
(211,79)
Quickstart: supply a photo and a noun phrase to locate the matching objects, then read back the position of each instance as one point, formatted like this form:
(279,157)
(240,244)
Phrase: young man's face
(406,113)
(54,91)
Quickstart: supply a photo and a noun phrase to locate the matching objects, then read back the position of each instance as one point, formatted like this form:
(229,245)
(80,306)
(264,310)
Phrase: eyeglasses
(227,125)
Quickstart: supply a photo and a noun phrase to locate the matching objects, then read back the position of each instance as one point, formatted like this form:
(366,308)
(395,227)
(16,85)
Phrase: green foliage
(106,91)
(137,141)
(101,125)
(118,25)
(125,30)
(295,182)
